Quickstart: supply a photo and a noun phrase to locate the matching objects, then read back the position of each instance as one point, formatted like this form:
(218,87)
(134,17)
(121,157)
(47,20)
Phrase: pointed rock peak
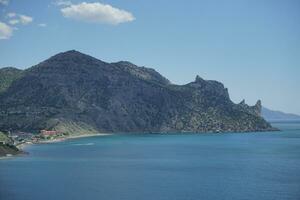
(243,102)
(198,79)
(258,107)
(258,103)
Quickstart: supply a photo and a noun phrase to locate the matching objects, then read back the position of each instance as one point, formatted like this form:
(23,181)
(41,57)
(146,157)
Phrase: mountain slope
(72,90)
(7,76)
(271,115)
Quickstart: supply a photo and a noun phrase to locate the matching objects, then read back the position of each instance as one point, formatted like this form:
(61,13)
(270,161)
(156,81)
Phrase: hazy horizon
(252,47)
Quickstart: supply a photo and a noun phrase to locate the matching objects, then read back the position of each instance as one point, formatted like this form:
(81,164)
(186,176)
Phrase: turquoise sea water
(239,166)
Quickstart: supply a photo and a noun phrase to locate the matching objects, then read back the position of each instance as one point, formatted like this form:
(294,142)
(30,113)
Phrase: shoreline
(23,146)
(64,139)
(88,135)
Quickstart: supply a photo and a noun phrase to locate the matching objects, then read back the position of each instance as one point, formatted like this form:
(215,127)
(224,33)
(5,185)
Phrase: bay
(231,166)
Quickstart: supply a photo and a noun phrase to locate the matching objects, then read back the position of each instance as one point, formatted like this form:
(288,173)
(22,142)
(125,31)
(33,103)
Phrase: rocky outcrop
(7,147)
(75,89)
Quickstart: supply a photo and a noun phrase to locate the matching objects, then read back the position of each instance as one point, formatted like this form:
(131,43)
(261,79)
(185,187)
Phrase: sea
(230,166)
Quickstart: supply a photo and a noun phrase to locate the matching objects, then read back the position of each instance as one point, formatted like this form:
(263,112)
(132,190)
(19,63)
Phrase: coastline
(88,135)
(64,138)
(22,146)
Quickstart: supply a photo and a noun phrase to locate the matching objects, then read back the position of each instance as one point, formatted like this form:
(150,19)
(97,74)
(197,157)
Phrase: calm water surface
(256,166)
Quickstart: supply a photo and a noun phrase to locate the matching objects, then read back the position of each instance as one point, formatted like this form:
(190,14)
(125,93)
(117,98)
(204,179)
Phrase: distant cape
(273,116)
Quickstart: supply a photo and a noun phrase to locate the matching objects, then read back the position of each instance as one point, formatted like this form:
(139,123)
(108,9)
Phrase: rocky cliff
(72,91)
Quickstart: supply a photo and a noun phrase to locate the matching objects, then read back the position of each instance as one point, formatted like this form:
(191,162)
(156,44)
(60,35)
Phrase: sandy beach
(68,138)
(87,135)
(24,145)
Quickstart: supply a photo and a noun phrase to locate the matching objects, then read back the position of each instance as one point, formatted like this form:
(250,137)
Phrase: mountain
(272,116)
(75,93)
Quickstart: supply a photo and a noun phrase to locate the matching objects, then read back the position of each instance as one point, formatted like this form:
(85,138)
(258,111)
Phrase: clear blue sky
(252,46)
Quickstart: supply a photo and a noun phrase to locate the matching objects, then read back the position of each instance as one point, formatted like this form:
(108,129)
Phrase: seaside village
(19,138)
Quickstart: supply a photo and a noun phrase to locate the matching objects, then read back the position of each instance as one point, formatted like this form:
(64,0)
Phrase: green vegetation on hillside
(4,138)
(7,76)
(6,146)
(70,128)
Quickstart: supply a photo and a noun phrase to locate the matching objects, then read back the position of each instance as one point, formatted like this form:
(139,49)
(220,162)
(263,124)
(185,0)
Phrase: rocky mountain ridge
(72,91)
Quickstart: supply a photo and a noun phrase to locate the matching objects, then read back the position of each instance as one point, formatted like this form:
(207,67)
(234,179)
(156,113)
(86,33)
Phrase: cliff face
(75,90)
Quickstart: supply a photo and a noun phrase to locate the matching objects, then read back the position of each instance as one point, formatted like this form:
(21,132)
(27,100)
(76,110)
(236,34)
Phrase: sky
(251,46)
